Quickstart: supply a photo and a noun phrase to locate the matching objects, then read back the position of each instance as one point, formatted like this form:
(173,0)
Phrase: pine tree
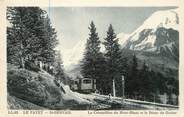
(48,41)
(30,36)
(93,61)
(134,65)
(114,59)
(20,39)
(58,66)
(12,57)
(131,81)
(144,80)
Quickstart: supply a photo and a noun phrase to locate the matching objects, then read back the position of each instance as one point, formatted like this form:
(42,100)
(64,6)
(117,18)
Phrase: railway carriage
(85,85)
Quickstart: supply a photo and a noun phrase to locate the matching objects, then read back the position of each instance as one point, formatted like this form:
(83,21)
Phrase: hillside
(16,103)
(31,90)
(39,89)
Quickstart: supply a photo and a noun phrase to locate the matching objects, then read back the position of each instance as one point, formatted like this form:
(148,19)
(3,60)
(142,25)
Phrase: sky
(71,23)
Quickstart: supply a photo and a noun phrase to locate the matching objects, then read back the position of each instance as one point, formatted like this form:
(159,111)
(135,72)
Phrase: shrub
(33,87)
(31,66)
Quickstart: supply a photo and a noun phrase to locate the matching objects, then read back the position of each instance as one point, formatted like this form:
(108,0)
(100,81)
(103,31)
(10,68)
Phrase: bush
(31,66)
(33,87)
(20,87)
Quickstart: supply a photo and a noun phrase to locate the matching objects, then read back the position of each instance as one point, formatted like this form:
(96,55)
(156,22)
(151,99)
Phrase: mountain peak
(166,18)
(153,29)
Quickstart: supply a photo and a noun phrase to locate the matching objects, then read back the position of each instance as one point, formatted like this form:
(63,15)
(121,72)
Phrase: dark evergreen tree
(160,83)
(20,39)
(134,68)
(144,81)
(58,69)
(12,56)
(131,81)
(114,61)
(48,42)
(30,35)
(93,62)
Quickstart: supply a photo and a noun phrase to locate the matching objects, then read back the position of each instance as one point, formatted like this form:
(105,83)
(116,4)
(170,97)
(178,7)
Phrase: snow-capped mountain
(122,38)
(72,57)
(156,42)
(160,30)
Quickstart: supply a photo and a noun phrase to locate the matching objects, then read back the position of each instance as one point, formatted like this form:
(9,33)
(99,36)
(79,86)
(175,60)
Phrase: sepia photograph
(92,58)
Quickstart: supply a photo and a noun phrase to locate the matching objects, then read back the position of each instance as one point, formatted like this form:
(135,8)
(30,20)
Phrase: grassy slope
(39,89)
(16,103)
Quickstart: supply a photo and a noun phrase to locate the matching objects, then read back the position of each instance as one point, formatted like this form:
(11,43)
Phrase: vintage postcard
(92,58)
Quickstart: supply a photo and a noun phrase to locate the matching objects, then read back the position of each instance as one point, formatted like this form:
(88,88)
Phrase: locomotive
(83,85)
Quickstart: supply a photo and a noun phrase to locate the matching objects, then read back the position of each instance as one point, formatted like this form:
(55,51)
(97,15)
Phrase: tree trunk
(21,56)
(114,89)
(22,62)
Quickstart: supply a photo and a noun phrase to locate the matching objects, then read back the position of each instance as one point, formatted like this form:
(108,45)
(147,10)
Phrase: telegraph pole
(113,86)
(123,87)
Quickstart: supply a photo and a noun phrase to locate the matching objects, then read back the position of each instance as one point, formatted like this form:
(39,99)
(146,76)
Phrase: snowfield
(167,19)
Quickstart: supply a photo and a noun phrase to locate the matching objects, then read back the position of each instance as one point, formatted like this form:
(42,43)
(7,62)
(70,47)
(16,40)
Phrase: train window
(86,81)
(76,82)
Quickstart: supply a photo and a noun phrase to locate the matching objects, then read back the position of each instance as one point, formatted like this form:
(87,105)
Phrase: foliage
(58,69)
(30,36)
(33,87)
(93,62)
(116,64)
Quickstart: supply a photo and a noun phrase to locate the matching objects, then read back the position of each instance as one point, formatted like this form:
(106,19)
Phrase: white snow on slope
(167,19)
(148,42)
(122,38)
(73,56)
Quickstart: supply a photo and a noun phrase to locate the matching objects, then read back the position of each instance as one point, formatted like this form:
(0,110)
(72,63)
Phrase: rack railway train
(83,85)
